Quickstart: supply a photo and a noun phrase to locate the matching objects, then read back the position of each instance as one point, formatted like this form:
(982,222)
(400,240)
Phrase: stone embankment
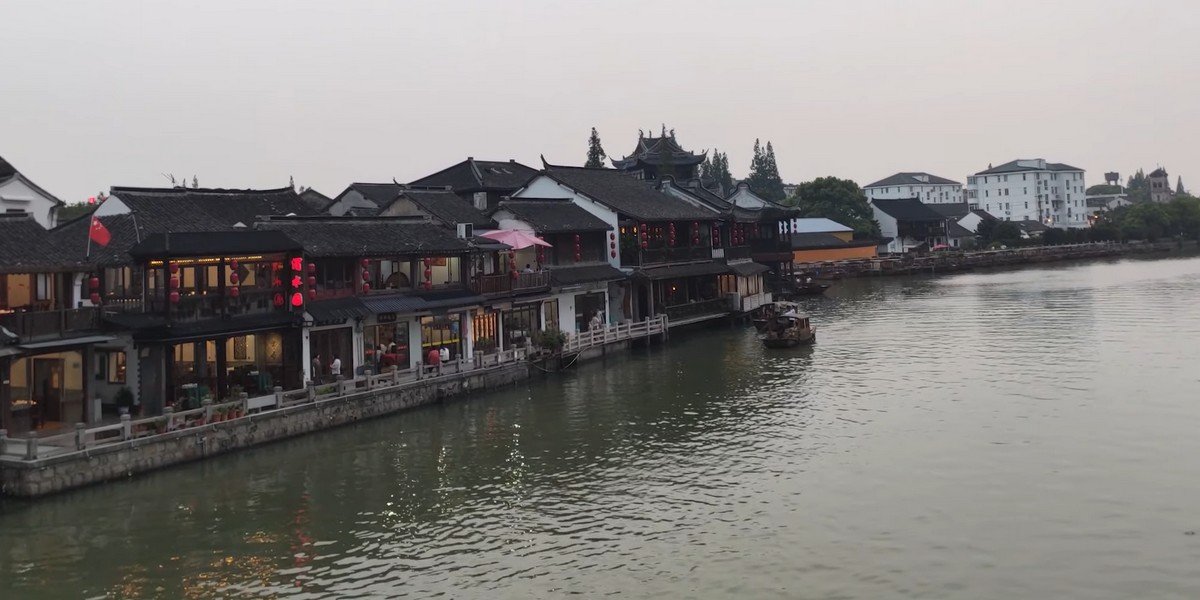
(951,262)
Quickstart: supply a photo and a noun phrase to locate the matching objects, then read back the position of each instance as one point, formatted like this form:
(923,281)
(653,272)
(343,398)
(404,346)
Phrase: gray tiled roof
(910,178)
(351,237)
(907,209)
(447,207)
(628,196)
(1013,166)
(478,175)
(552,215)
(25,246)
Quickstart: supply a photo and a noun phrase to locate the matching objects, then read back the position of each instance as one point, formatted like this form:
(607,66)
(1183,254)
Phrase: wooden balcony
(499,284)
(698,310)
(51,324)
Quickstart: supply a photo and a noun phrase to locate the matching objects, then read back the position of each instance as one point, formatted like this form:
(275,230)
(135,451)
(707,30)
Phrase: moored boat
(788,330)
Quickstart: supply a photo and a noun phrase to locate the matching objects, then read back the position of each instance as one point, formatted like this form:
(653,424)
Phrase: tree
(1139,187)
(1007,233)
(840,200)
(1103,188)
(715,168)
(764,174)
(595,154)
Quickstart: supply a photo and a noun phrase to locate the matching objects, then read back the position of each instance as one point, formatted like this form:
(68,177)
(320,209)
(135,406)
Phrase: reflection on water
(1027,433)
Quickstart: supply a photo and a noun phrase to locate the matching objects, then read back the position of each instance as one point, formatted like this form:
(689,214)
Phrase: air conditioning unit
(466,231)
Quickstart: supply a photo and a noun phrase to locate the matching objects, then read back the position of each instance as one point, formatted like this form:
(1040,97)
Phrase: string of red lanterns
(612,244)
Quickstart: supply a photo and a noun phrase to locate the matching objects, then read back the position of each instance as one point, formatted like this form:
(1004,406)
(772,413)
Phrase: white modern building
(927,188)
(1053,194)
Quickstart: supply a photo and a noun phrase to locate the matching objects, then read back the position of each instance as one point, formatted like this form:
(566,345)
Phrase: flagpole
(91,222)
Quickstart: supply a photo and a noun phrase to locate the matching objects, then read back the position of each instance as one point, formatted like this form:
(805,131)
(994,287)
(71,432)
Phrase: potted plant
(551,340)
(485,345)
(124,400)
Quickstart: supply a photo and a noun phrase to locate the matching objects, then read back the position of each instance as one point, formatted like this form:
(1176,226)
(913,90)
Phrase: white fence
(615,333)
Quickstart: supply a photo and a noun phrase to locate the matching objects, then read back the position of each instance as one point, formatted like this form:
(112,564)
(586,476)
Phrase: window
(110,366)
(45,286)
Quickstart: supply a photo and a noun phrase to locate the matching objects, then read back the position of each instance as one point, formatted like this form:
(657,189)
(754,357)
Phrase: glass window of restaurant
(520,323)
(46,391)
(485,331)
(386,346)
(441,332)
(254,363)
(551,311)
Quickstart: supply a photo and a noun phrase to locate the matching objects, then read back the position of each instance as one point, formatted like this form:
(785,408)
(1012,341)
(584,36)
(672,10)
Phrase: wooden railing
(32,446)
(44,324)
(505,283)
(615,333)
(698,309)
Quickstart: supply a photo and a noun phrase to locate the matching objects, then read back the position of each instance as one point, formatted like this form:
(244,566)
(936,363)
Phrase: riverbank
(955,262)
(38,466)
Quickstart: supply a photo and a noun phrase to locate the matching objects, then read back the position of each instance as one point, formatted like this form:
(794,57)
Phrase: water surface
(1018,434)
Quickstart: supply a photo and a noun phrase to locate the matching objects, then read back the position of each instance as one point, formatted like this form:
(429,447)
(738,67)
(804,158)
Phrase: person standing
(335,367)
(594,324)
(316,369)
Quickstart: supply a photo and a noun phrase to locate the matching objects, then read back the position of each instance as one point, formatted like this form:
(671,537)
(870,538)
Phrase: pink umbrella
(518,240)
(940,247)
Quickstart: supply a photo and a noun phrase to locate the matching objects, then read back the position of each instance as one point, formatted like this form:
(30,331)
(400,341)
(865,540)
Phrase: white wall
(932,193)
(545,187)
(15,195)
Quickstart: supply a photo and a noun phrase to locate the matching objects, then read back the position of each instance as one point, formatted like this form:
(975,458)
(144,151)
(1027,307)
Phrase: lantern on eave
(174,284)
(94,283)
(366,275)
(297,264)
(297,299)
(235,291)
(366,262)
(173,268)
(95,298)
(174,297)
(233,264)
(312,268)
(366,287)
(578,248)
(296,282)
(277,300)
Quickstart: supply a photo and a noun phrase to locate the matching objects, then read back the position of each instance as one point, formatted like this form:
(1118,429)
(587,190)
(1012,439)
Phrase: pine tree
(764,177)
(595,155)
(1179,191)
(721,171)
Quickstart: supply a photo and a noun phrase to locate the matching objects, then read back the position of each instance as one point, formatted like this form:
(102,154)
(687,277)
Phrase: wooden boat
(788,330)
(770,311)
(810,288)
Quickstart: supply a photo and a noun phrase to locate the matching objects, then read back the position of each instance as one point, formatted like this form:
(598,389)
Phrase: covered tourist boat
(788,330)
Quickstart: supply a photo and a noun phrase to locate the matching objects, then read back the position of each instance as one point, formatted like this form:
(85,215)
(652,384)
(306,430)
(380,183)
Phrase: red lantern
(174,283)
(366,287)
(312,294)
(233,264)
(428,285)
(278,299)
(296,282)
(174,267)
(94,282)
(234,292)
(612,235)
(174,297)
(578,257)
(428,273)
(696,224)
(233,278)
(612,245)
(312,268)
(613,253)
(366,262)
(297,299)
(366,275)
(297,264)
(645,245)
(95,298)
(312,281)
(514,274)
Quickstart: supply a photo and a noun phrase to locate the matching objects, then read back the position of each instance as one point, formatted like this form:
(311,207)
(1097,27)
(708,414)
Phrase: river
(1028,433)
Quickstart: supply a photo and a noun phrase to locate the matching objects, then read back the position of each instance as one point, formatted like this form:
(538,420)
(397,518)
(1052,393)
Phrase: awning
(588,274)
(79,341)
(685,270)
(337,310)
(746,269)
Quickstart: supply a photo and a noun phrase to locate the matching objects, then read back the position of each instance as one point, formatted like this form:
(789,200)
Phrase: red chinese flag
(99,233)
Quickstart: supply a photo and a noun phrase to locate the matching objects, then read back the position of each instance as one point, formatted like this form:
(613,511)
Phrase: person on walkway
(335,367)
(316,369)
(594,324)
(433,358)
(528,268)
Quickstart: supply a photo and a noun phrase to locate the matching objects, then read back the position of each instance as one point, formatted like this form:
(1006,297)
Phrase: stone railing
(32,447)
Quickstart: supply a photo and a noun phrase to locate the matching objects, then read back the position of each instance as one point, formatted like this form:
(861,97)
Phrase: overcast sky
(244,94)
